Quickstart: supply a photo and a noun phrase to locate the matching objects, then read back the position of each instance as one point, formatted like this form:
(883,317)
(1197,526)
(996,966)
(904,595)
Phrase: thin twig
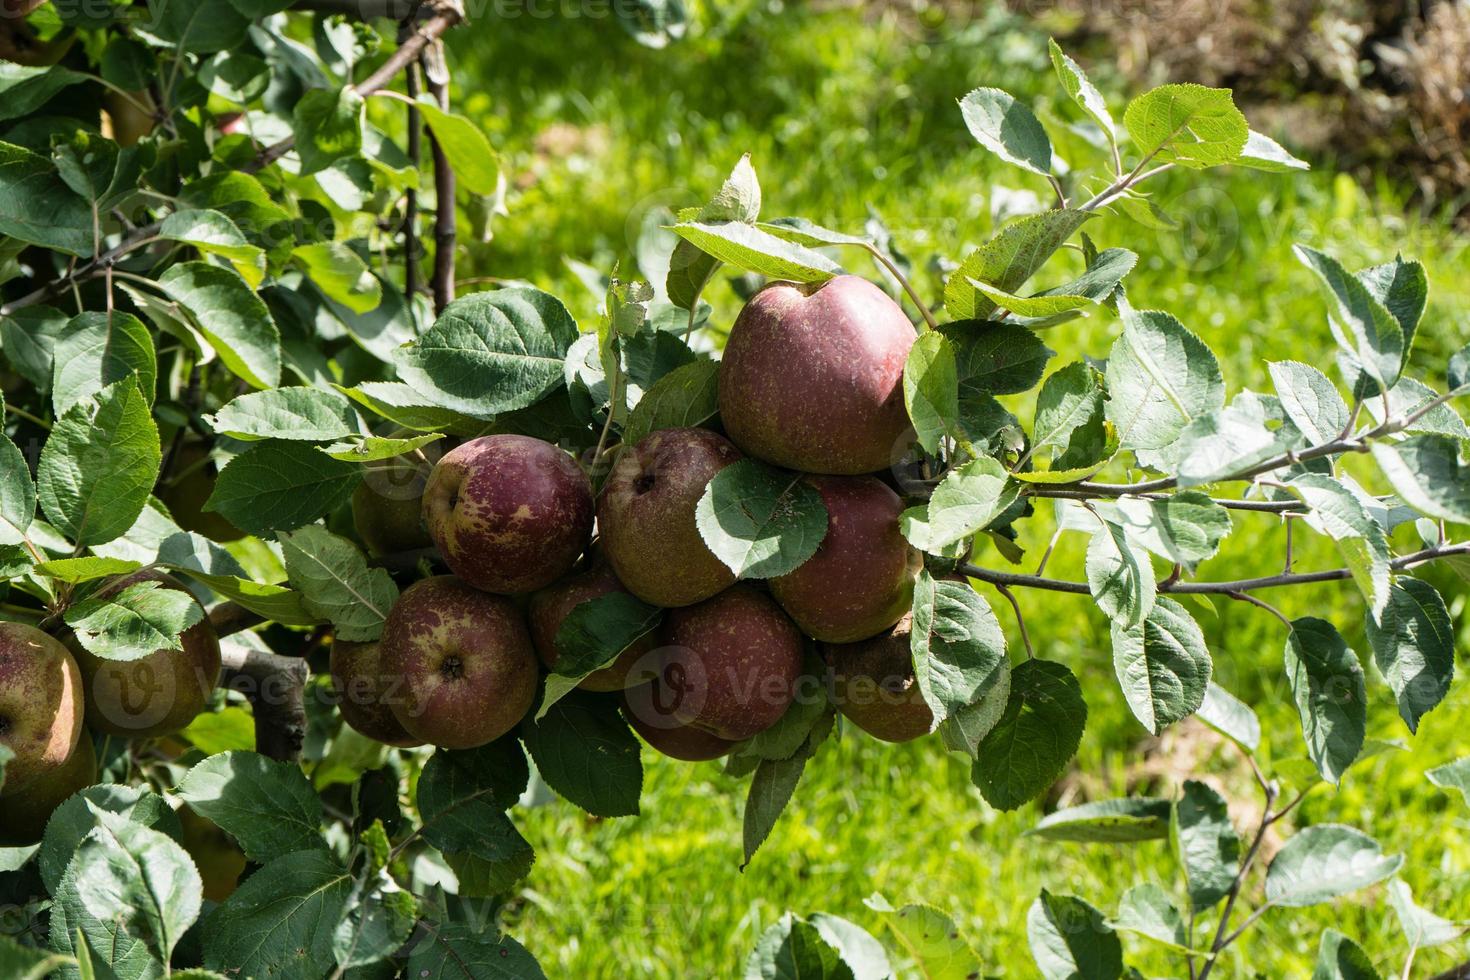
(437,82)
(1263,604)
(1020,620)
(913,294)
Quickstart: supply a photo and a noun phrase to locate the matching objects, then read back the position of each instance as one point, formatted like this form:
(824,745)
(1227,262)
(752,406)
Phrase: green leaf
(273,602)
(37,207)
(1310,400)
(231,317)
(268,807)
(929,938)
(1008,260)
(1337,512)
(1458,372)
(200,27)
(931,389)
(1331,697)
(99,465)
(213,233)
(969,499)
(1402,286)
(995,358)
(794,948)
(1453,775)
(759,521)
(1230,716)
(25,88)
(1426,471)
(958,647)
(1205,842)
(1407,397)
(747,247)
(280,921)
(1007,128)
(1081,90)
(1326,861)
(586,752)
(687,396)
(1121,580)
(812,235)
(1162,665)
(328,127)
(457,951)
(336,583)
(279,486)
(1147,910)
(1364,327)
(1035,739)
(133,622)
(78,570)
(98,349)
(1413,642)
(463,796)
(491,352)
(234,76)
(1121,821)
(1339,958)
(474,160)
(1231,440)
(131,891)
(1185,527)
(372,449)
(1070,416)
(28,963)
(308,414)
(771,788)
(1190,125)
(1160,377)
(592,636)
(739,199)
(341,274)
(408,407)
(76,818)
(28,337)
(1421,927)
(1263,153)
(1071,940)
(17,493)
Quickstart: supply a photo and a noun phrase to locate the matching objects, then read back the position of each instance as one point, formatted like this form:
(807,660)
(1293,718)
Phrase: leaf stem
(892,267)
(1020,619)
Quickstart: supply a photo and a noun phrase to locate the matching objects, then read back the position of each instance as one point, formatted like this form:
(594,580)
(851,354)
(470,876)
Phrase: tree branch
(276,687)
(996,577)
(437,81)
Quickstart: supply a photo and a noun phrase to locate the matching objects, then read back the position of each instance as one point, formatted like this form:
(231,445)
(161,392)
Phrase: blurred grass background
(851,112)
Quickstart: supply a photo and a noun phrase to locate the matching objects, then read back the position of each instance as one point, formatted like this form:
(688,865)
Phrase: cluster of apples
(53,693)
(810,380)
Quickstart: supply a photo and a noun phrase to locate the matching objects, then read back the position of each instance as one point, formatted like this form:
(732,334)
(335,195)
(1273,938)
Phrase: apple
(646,516)
(365,692)
(159,694)
(730,664)
(41,705)
(861,580)
(812,377)
(873,685)
(23,815)
(648,710)
(388,508)
(508,513)
(550,607)
(466,659)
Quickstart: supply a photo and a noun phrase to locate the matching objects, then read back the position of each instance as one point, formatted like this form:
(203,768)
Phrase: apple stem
(929,322)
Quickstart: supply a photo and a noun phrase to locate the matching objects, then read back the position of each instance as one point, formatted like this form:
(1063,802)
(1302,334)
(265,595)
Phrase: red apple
(649,711)
(365,692)
(646,516)
(508,513)
(873,685)
(550,607)
(812,377)
(41,705)
(730,663)
(861,580)
(466,661)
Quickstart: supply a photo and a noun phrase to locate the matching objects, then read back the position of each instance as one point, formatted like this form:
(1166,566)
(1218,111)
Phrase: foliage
(250,292)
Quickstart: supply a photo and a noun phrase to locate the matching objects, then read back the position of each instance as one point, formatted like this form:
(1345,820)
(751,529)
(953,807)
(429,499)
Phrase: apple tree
(311,566)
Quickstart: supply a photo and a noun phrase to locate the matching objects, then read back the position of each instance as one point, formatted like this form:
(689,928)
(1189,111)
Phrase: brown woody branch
(1012,579)
(276,688)
(436,76)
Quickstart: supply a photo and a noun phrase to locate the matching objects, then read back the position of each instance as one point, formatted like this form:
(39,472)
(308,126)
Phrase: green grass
(842,114)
